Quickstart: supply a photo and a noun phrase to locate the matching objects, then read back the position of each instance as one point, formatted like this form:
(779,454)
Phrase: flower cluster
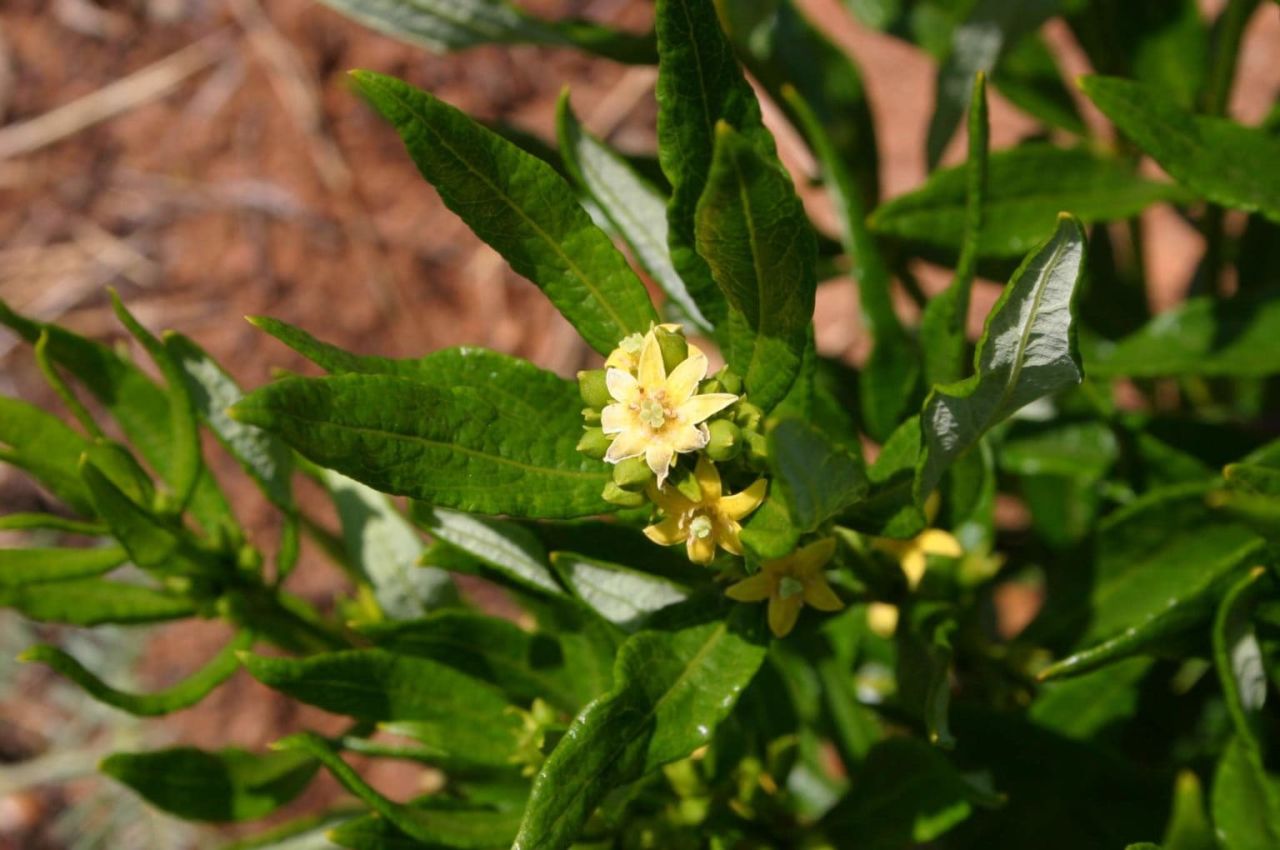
(678,440)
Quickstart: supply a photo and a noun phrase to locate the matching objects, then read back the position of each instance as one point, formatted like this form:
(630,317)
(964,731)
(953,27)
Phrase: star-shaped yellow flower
(790,583)
(913,556)
(659,415)
(711,521)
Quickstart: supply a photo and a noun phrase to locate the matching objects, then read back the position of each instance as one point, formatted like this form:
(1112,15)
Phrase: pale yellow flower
(711,521)
(659,415)
(789,583)
(913,557)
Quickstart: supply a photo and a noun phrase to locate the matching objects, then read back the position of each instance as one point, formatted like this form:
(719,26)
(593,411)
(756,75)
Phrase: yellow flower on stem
(710,522)
(790,583)
(913,556)
(659,415)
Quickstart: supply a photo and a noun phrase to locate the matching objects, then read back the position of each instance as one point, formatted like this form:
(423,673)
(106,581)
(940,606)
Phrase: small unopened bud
(726,440)
(748,415)
(729,380)
(632,474)
(711,386)
(757,447)
(687,485)
(675,348)
(594,443)
(615,495)
(594,389)
(590,416)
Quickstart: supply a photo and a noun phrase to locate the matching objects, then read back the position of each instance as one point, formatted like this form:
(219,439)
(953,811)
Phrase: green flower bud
(594,443)
(729,380)
(711,386)
(757,447)
(687,484)
(748,415)
(594,390)
(591,417)
(726,440)
(675,348)
(615,495)
(632,474)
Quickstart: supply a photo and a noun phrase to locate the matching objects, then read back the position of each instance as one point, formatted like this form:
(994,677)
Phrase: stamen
(701,527)
(790,587)
(652,413)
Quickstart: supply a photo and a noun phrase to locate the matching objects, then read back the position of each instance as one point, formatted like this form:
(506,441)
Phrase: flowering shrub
(1114,469)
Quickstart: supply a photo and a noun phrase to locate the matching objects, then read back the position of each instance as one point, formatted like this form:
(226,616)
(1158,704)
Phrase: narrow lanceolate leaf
(32,566)
(95,602)
(266,460)
(473,448)
(699,84)
(635,209)
(816,477)
(47,448)
(672,688)
(522,208)
(1027,351)
(182,695)
(1238,656)
(462,827)
(621,595)
(1239,337)
(754,234)
(887,384)
(1246,800)
(511,550)
(384,548)
(50,522)
(228,785)
(1027,187)
(1228,163)
(447,25)
(426,696)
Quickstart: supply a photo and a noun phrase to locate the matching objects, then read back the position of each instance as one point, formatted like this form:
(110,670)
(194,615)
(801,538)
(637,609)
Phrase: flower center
(701,527)
(790,587)
(652,413)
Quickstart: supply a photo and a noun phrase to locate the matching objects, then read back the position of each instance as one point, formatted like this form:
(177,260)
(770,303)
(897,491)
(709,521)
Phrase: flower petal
(739,505)
(667,533)
(913,563)
(627,444)
(708,479)
(616,418)
(783,614)
(728,536)
(651,373)
(689,438)
(671,500)
(751,589)
(621,385)
(820,595)
(935,541)
(659,456)
(811,559)
(882,619)
(700,407)
(702,550)
(684,379)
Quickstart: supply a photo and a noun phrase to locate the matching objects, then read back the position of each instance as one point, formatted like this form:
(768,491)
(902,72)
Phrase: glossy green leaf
(522,208)
(34,566)
(513,551)
(753,232)
(1027,351)
(1228,163)
(185,694)
(635,209)
(416,693)
(672,688)
(621,595)
(1029,77)
(1089,704)
(699,84)
(50,522)
(1189,827)
(925,640)
(890,509)
(266,460)
(228,785)
(469,447)
(1239,337)
(443,26)
(94,602)
(1238,656)
(770,532)
(816,477)
(384,549)
(47,448)
(1246,800)
(1027,186)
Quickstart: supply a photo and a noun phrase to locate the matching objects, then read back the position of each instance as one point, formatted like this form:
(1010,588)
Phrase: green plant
(645,698)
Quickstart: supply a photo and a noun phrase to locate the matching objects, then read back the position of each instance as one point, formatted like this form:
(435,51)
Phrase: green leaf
(752,230)
(228,785)
(889,509)
(1027,187)
(522,208)
(34,566)
(94,602)
(384,549)
(445,826)
(182,695)
(264,458)
(1238,656)
(1087,705)
(47,448)
(621,595)
(906,793)
(672,688)
(1229,164)
(1029,77)
(514,552)
(770,532)
(1239,337)
(50,522)
(1027,351)
(1246,800)
(925,640)
(634,208)
(1189,827)
(309,832)
(699,84)
(470,448)
(443,26)
(816,477)
(415,693)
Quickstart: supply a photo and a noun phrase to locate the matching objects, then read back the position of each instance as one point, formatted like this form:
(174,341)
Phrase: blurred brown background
(207,158)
